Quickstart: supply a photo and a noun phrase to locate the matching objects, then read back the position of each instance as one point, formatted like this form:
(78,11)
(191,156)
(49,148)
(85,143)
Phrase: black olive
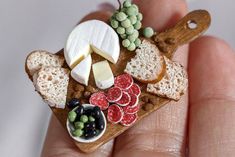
(100,123)
(88,112)
(96,108)
(79,110)
(77,119)
(93,132)
(89,126)
(90,133)
(96,112)
(73,103)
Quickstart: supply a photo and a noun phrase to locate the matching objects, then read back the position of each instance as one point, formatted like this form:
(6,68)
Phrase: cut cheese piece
(92,35)
(103,75)
(81,72)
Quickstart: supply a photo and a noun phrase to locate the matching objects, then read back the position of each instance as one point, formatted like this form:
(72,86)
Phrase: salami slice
(131,110)
(134,100)
(115,114)
(114,94)
(123,81)
(134,89)
(99,99)
(125,99)
(129,119)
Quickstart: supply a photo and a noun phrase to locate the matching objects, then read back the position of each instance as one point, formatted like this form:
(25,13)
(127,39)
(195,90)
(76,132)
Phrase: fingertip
(212,41)
(161,14)
(211,68)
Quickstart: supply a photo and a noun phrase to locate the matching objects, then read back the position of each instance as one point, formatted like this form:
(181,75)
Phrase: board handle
(187,29)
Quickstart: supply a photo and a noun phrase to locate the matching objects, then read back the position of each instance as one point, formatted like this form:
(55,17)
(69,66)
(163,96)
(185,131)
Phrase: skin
(200,124)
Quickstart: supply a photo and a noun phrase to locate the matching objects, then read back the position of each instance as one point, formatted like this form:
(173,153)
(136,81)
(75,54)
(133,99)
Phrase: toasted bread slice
(39,58)
(52,83)
(173,84)
(148,65)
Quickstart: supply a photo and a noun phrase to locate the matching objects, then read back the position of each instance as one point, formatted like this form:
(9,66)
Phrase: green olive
(91,119)
(78,132)
(79,125)
(84,118)
(72,116)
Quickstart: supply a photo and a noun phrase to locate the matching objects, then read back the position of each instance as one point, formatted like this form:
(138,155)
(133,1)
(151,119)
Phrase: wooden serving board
(167,42)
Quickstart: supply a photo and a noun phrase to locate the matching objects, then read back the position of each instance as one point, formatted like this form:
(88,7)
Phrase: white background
(26,25)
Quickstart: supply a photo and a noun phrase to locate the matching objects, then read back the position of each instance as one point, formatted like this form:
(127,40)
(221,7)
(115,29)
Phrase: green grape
(126,43)
(114,23)
(136,8)
(127,3)
(136,33)
(133,19)
(126,23)
(120,30)
(131,47)
(131,11)
(148,32)
(123,36)
(123,10)
(140,17)
(137,25)
(121,16)
(130,30)
(132,37)
(137,42)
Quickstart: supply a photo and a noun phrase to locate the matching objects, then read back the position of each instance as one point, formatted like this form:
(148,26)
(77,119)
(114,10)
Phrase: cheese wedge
(81,72)
(103,75)
(92,35)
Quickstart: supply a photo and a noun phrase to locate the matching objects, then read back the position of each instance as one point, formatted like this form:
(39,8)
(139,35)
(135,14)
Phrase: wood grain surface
(167,42)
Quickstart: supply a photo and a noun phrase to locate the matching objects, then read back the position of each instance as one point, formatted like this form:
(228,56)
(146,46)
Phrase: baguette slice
(39,58)
(52,83)
(173,84)
(148,65)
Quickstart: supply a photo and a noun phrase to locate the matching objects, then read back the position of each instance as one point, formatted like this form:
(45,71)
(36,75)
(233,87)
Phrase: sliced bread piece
(173,84)
(148,65)
(52,83)
(39,58)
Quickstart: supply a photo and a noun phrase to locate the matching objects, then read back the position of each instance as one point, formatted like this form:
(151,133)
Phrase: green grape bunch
(127,22)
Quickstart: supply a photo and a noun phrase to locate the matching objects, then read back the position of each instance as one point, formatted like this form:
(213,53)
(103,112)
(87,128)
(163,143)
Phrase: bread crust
(176,72)
(31,77)
(162,72)
(159,77)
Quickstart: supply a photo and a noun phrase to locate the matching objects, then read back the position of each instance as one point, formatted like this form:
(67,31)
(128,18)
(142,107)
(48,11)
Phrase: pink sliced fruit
(115,114)
(129,119)
(134,89)
(134,100)
(114,94)
(123,81)
(131,110)
(125,99)
(99,99)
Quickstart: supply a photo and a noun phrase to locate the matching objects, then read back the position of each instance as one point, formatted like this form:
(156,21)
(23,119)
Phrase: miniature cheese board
(121,96)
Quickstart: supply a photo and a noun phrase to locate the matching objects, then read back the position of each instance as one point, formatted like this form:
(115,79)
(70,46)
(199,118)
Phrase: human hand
(200,124)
